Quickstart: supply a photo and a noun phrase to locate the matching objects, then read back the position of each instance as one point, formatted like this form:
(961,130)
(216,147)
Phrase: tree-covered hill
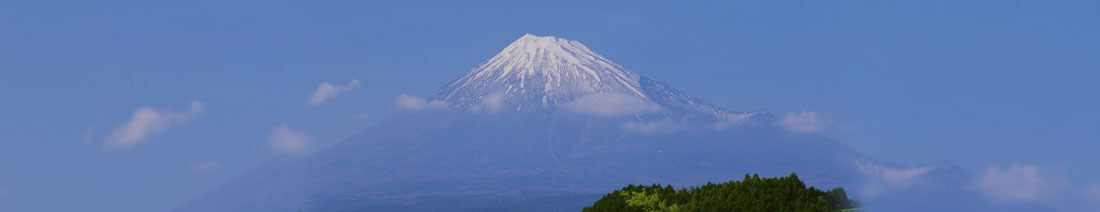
(750,194)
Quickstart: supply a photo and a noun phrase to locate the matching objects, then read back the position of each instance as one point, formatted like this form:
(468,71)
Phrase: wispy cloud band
(146,121)
(326,91)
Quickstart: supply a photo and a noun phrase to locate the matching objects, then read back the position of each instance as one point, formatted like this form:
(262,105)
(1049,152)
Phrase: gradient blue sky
(978,82)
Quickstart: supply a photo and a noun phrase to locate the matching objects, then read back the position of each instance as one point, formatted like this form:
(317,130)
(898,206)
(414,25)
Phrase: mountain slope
(546,125)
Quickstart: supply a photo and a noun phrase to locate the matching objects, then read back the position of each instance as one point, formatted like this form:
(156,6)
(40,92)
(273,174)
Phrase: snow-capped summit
(546,72)
(538,71)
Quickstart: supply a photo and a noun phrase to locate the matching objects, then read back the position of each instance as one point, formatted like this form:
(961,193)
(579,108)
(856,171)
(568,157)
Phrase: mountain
(545,125)
(548,73)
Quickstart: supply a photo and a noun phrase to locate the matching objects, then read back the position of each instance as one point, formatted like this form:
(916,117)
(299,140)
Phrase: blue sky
(980,83)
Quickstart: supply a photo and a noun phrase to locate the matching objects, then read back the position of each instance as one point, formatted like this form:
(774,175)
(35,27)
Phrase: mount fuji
(545,125)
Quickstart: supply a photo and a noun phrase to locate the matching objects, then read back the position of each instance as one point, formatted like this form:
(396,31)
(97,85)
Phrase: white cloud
(1003,186)
(882,179)
(805,122)
(491,103)
(1019,183)
(652,127)
(898,177)
(494,102)
(327,91)
(286,140)
(611,105)
(204,167)
(416,103)
(146,121)
(360,116)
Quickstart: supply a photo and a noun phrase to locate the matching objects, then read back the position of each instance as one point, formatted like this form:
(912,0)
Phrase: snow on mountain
(542,71)
(546,73)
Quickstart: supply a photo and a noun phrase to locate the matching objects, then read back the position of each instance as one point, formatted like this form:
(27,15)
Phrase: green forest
(750,194)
